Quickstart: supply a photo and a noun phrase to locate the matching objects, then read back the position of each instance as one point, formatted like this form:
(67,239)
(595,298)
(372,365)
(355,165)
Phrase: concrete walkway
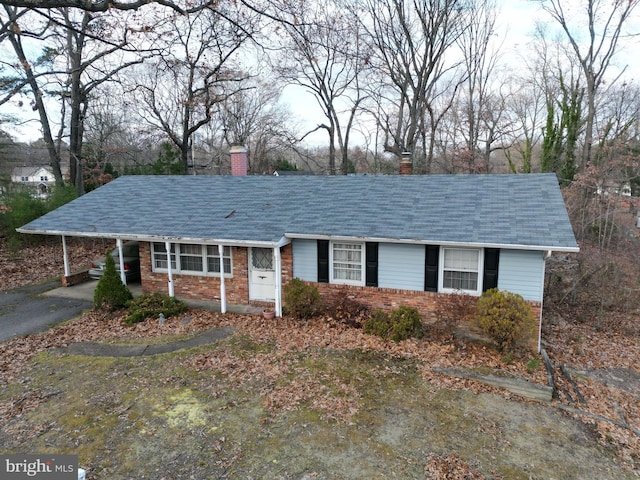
(84,292)
(93,349)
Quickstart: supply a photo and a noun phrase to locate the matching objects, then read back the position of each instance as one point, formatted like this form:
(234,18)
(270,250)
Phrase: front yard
(289,399)
(286,398)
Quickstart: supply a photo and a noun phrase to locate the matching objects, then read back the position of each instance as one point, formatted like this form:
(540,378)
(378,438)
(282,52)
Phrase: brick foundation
(388,299)
(75,278)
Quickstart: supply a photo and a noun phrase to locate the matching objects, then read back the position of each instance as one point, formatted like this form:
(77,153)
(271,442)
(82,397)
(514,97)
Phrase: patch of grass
(533,365)
(154,417)
(244,344)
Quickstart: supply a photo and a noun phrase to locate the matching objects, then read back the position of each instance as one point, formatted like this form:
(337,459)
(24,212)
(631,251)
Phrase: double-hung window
(213,259)
(191,259)
(160,261)
(460,270)
(347,263)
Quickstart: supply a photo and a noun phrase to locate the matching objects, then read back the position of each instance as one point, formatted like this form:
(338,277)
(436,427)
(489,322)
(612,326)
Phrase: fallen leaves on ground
(580,346)
(588,349)
(23,266)
(450,467)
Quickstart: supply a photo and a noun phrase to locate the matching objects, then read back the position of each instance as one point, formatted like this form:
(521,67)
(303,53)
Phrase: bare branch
(105,5)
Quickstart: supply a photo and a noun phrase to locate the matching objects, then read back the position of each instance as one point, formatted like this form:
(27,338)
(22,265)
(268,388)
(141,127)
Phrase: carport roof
(517,211)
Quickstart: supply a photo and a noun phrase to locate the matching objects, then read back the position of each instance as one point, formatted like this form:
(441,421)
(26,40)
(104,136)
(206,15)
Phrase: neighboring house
(38,179)
(385,240)
(610,187)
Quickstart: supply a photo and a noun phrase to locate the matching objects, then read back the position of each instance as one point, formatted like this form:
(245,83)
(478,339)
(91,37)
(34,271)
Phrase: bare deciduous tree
(75,59)
(593,29)
(482,100)
(25,75)
(106,5)
(89,65)
(182,86)
(412,41)
(324,54)
(254,118)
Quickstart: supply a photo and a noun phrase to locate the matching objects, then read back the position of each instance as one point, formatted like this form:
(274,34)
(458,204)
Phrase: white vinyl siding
(522,272)
(191,259)
(305,259)
(401,266)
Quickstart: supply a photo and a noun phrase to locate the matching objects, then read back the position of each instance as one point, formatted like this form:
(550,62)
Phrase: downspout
(278,282)
(65,255)
(544,265)
(223,291)
(123,275)
(167,246)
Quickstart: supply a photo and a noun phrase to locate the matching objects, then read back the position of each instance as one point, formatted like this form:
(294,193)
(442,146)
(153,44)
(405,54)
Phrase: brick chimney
(238,160)
(406,165)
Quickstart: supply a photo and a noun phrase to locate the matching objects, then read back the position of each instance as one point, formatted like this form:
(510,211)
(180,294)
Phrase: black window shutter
(371,255)
(431,268)
(323,261)
(491,260)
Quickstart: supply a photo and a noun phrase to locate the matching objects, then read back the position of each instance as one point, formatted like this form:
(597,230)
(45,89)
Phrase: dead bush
(454,310)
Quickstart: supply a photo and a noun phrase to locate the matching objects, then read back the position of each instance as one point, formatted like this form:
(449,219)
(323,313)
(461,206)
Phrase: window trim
(363,264)
(176,254)
(479,271)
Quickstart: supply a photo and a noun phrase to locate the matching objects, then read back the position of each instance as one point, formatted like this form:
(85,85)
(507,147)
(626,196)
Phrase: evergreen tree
(110,293)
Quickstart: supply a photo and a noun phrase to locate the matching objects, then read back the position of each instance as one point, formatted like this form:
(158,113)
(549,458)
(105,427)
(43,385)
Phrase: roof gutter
(163,238)
(548,248)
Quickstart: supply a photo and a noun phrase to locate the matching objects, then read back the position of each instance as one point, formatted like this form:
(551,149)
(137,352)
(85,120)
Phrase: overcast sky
(515,24)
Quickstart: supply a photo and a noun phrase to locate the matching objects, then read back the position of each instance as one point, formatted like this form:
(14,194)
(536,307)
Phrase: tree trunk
(47,137)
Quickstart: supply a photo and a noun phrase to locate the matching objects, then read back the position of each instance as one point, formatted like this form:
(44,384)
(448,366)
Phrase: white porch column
(223,291)
(278,282)
(123,274)
(167,246)
(65,255)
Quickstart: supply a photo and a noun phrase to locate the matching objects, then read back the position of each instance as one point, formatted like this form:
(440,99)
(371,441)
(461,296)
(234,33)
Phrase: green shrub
(151,305)
(401,324)
(19,208)
(301,299)
(506,318)
(110,293)
(533,365)
(61,196)
(378,324)
(406,322)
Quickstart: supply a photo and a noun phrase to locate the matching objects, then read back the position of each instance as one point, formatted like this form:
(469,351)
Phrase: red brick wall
(75,278)
(389,298)
(237,288)
(197,287)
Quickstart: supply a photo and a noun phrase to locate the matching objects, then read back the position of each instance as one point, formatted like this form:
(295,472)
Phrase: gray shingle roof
(524,211)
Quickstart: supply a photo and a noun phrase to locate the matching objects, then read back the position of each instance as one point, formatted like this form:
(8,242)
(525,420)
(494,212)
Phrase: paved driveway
(30,309)
(35,308)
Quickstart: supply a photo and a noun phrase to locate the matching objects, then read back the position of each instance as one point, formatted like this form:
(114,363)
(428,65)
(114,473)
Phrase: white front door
(262,275)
